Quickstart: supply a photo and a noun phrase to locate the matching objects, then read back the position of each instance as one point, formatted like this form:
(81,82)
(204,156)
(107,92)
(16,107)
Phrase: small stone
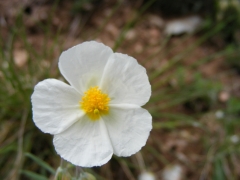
(20,57)
(131,34)
(156,21)
(154,32)
(113,30)
(183,25)
(223,96)
(138,48)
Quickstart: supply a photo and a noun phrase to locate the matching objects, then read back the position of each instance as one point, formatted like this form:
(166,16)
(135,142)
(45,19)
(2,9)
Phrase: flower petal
(128,129)
(125,81)
(83,65)
(86,143)
(55,106)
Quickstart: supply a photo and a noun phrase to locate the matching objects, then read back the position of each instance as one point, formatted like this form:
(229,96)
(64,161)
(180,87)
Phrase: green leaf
(233,105)
(218,173)
(87,176)
(33,175)
(8,148)
(41,163)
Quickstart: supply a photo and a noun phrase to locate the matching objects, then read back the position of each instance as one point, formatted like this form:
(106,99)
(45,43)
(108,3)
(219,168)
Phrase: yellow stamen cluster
(95,103)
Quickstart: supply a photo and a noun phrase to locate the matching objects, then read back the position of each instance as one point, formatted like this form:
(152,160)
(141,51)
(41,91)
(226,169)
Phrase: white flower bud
(146,176)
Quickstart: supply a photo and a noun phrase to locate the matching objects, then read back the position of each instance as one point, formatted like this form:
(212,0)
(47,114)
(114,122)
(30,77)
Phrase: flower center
(95,103)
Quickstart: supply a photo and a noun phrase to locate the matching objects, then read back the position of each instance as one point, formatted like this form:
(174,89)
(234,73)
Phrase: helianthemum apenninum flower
(99,114)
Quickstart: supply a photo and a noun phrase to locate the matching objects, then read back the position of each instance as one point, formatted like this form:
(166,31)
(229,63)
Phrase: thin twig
(140,161)
(127,170)
(14,174)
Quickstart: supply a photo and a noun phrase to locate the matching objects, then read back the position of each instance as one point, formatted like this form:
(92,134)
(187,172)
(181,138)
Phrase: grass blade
(41,163)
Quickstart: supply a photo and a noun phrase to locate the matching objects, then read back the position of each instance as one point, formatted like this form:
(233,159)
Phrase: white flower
(99,114)
(146,176)
(172,172)
(219,114)
(234,139)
